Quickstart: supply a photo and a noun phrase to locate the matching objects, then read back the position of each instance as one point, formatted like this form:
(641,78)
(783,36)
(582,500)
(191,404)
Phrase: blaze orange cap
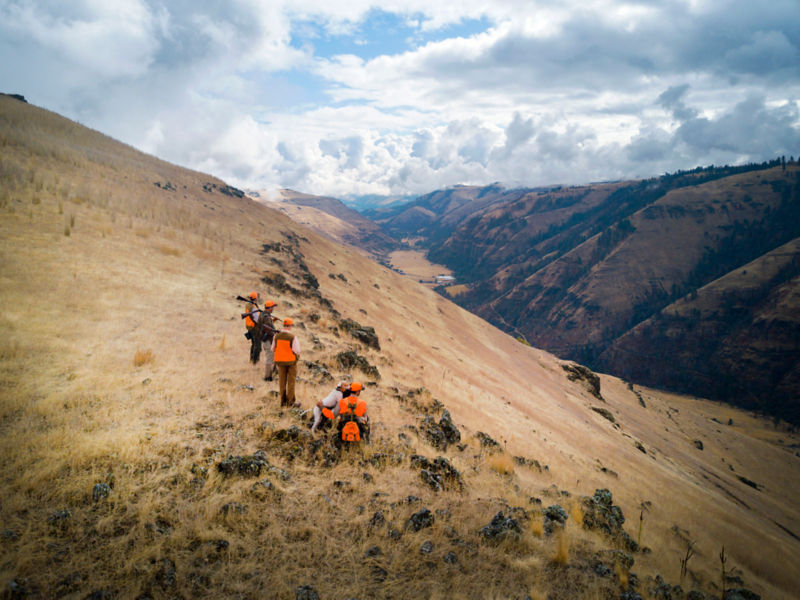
(269,304)
(356,387)
(287,322)
(253,295)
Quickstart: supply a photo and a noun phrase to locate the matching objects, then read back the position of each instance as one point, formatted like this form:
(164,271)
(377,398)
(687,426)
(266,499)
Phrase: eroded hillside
(145,457)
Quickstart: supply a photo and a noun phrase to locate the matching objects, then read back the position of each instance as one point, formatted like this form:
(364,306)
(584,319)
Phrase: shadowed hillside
(592,273)
(144,457)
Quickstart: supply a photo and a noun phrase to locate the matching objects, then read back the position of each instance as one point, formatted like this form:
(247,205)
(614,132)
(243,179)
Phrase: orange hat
(287,322)
(356,387)
(269,304)
(253,295)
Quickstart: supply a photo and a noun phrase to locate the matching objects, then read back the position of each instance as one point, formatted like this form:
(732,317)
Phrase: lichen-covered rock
(438,474)
(500,528)
(349,359)
(599,512)
(365,335)
(246,466)
(420,520)
(555,517)
(449,429)
(427,547)
(100,491)
(306,592)
(486,441)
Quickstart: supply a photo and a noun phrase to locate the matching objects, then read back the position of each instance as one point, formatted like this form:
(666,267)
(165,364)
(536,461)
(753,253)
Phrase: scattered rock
(500,528)
(438,474)
(554,517)
(639,447)
(165,576)
(379,574)
(351,360)
(486,441)
(602,570)
(101,595)
(306,592)
(450,558)
(59,518)
(160,526)
(426,548)
(604,412)
(100,491)
(740,594)
(10,535)
(365,335)
(528,462)
(440,434)
(233,508)
(318,370)
(587,377)
(247,466)
(695,595)
(698,444)
(420,520)
(378,519)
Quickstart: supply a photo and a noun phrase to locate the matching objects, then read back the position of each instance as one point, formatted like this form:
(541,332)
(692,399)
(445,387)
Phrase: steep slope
(127,396)
(331,218)
(574,270)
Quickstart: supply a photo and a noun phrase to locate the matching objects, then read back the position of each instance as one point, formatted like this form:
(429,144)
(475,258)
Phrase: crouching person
(327,409)
(353,419)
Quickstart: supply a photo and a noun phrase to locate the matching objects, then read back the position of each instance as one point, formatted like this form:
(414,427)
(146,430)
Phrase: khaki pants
(269,358)
(286,376)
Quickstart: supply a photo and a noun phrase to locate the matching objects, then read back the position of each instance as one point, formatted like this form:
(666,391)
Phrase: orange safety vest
(359,408)
(283,347)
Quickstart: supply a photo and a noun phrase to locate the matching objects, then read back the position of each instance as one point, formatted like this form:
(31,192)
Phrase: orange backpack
(350,432)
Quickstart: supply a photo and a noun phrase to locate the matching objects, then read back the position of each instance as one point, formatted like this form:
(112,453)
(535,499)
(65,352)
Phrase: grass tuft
(501,463)
(143,357)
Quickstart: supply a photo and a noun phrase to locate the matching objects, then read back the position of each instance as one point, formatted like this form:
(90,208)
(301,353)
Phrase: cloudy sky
(408,96)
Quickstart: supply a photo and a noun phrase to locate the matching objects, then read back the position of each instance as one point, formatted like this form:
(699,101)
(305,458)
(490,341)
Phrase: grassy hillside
(126,397)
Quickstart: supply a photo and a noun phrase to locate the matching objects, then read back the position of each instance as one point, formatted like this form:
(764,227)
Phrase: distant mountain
(333,219)
(609,274)
(434,216)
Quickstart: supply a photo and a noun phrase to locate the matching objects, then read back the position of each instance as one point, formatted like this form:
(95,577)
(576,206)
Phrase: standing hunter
(268,332)
(253,321)
(286,349)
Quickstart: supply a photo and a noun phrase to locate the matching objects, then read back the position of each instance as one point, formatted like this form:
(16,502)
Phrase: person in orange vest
(251,322)
(286,351)
(327,409)
(267,333)
(353,418)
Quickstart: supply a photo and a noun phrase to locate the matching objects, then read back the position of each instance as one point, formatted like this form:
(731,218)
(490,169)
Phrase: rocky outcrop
(601,514)
(246,466)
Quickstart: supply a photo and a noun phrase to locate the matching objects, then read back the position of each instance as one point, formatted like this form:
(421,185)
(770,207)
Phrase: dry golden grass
(143,357)
(73,414)
(501,463)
